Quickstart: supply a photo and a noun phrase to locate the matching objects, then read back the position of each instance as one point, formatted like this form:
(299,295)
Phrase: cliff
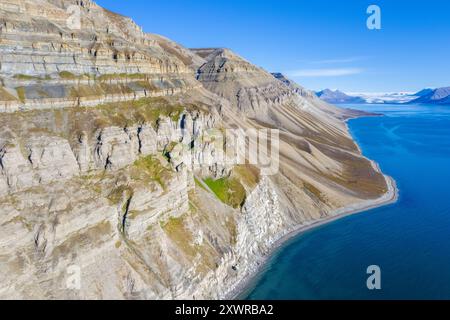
(97,127)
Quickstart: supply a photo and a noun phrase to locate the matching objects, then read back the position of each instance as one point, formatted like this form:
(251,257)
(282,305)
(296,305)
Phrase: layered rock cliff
(110,163)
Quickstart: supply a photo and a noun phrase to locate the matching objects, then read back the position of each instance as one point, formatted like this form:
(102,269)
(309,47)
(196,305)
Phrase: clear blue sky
(319,43)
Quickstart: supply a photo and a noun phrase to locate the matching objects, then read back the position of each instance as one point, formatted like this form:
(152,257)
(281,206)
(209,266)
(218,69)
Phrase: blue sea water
(409,241)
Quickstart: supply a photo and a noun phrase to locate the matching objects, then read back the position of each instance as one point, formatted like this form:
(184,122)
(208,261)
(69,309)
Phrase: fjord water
(409,240)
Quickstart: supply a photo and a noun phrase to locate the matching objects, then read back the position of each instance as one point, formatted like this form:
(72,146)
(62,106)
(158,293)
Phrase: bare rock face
(249,88)
(52,159)
(17,172)
(47,62)
(116,148)
(147,140)
(103,42)
(42,160)
(109,173)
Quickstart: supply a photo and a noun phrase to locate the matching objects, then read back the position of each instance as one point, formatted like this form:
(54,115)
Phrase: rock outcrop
(113,183)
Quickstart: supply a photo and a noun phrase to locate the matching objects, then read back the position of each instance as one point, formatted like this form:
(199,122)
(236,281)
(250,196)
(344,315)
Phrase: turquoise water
(410,240)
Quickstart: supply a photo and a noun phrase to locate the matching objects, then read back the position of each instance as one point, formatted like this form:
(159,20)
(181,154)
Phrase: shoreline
(390,197)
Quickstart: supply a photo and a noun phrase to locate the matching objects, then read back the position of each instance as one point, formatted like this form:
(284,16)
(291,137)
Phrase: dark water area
(409,240)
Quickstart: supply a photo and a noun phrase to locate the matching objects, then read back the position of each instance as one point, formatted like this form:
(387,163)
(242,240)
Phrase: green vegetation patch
(113,76)
(122,114)
(145,110)
(118,194)
(21,94)
(67,75)
(26,77)
(98,90)
(146,85)
(229,190)
(148,169)
(175,229)
(85,91)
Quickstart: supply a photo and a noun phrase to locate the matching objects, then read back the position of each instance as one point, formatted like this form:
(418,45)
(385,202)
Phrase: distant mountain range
(433,96)
(439,96)
(336,97)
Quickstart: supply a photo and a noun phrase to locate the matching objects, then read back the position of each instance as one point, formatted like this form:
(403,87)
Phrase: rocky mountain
(112,180)
(336,97)
(440,96)
(423,92)
(299,89)
(340,97)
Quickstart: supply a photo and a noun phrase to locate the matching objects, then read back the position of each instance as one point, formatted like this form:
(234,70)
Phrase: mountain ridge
(336,97)
(438,96)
